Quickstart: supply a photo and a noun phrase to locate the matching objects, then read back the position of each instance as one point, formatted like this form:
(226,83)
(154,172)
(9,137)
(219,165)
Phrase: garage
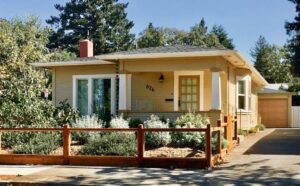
(273,112)
(274,106)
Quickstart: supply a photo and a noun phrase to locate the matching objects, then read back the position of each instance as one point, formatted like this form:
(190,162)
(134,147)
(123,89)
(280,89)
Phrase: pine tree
(293,30)
(103,21)
(270,61)
(198,36)
(222,35)
(150,37)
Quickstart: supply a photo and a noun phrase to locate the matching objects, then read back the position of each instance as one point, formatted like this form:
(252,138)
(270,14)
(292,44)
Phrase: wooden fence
(228,127)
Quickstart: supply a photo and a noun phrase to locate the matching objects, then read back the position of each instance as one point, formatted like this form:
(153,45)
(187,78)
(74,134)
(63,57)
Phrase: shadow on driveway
(279,142)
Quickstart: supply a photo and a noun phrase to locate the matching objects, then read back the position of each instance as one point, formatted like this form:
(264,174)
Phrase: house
(167,81)
(275,107)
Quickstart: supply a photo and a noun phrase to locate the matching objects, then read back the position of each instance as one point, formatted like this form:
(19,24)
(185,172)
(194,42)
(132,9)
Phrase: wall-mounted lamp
(161,78)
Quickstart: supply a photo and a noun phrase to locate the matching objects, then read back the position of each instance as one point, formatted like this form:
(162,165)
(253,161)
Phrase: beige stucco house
(167,81)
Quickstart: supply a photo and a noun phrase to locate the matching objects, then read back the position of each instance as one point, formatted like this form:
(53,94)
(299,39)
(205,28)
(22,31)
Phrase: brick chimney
(86,48)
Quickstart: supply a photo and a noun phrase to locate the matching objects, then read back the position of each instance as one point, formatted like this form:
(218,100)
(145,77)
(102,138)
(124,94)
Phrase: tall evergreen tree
(222,35)
(150,37)
(293,30)
(198,36)
(270,61)
(103,21)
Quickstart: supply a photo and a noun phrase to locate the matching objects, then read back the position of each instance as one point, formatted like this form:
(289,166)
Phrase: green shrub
(113,143)
(39,143)
(242,132)
(65,114)
(192,120)
(215,143)
(156,139)
(252,130)
(190,139)
(86,122)
(261,127)
(119,122)
(134,123)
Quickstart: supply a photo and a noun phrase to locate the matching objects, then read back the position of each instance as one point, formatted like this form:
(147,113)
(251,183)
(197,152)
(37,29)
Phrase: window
(244,93)
(94,94)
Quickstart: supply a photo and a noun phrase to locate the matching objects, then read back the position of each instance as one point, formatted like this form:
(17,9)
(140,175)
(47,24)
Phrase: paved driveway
(268,158)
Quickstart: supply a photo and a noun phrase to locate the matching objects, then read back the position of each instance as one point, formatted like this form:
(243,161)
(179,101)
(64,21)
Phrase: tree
(198,36)
(103,21)
(222,35)
(293,30)
(270,61)
(150,37)
(173,36)
(23,42)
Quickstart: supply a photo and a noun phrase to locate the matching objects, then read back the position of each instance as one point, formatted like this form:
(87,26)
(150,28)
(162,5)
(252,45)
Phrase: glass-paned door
(189,93)
(82,96)
(94,95)
(101,98)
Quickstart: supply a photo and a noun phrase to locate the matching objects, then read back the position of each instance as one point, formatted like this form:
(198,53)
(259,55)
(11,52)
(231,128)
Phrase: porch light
(161,78)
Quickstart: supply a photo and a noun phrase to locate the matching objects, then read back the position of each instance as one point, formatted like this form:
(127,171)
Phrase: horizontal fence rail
(143,156)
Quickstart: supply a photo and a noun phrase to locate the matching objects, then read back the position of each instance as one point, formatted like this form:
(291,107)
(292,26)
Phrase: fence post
(66,144)
(235,128)
(229,132)
(141,144)
(219,144)
(208,149)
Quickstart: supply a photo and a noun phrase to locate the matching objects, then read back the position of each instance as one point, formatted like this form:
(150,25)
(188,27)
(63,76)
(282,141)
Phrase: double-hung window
(244,93)
(94,94)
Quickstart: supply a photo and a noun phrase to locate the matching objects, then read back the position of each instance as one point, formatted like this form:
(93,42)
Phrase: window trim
(112,77)
(247,95)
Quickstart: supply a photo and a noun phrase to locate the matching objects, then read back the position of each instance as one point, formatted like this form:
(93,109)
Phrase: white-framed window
(244,93)
(94,94)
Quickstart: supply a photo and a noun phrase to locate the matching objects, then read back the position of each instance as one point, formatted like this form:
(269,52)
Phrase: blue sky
(244,20)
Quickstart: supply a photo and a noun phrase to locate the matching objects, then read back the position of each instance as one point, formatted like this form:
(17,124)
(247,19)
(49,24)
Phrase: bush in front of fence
(110,144)
(39,143)
(214,142)
(156,139)
(190,139)
(86,122)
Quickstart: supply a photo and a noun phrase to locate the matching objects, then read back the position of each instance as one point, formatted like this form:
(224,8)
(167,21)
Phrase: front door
(189,93)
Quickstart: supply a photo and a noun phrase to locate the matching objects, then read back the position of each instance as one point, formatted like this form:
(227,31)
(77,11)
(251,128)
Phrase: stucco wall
(148,94)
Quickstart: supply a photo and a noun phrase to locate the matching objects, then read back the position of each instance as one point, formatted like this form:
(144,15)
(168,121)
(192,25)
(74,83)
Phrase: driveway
(270,157)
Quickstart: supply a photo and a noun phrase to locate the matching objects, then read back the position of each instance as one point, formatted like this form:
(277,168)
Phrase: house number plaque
(150,88)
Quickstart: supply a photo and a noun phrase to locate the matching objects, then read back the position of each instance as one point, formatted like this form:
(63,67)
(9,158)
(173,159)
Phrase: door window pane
(189,90)
(194,81)
(189,81)
(82,96)
(101,98)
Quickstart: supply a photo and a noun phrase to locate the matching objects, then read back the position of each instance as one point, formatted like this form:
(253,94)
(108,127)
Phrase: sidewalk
(239,168)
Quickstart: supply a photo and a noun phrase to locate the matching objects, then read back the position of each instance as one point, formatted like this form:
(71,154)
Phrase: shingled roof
(167,49)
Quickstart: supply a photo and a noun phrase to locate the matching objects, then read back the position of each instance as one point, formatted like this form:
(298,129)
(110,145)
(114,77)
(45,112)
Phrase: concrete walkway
(247,164)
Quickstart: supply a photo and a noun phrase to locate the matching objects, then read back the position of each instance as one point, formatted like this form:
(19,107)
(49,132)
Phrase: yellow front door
(189,93)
